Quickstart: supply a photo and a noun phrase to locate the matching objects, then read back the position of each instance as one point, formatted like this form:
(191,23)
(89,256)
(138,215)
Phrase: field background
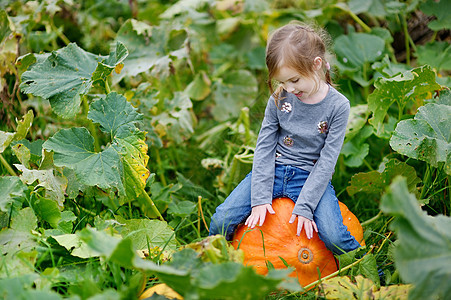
(125,123)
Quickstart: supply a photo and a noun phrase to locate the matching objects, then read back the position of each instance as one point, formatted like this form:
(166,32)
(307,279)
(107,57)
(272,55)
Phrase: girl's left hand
(308,225)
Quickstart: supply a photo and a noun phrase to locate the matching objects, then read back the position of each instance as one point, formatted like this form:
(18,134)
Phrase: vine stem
(7,166)
(356,18)
(152,205)
(333,274)
(201,213)
(369,221)
(92,128)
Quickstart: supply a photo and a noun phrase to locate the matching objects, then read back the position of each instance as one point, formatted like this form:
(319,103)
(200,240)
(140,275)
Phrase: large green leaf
(118,118)
(440,9)
(11,189)
(427,137)
(74,148)
(356,50)
(122,164)
(436,54)
(236,89)
(403,88)
(146,233)
(423,254)
(149,48)
(114,114)
(67,74)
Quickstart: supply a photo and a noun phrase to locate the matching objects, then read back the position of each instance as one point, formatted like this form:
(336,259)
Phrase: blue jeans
(288,182)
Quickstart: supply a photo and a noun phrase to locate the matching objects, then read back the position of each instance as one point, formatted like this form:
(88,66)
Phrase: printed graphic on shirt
(286,107)
(278,154)
(288,141)
(323,127)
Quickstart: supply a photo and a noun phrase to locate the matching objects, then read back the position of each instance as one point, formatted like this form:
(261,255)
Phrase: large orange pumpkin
(279,240)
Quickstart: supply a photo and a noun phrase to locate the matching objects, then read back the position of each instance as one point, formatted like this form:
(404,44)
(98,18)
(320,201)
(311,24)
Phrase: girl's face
(305,88)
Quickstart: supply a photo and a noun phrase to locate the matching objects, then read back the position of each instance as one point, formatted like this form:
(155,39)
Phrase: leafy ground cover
(125,123)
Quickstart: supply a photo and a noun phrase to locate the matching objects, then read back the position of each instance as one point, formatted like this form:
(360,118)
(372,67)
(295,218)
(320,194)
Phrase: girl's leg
(329,221)
(233,211)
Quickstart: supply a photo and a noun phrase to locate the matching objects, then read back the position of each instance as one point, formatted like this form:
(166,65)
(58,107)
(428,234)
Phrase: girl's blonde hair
(296,45)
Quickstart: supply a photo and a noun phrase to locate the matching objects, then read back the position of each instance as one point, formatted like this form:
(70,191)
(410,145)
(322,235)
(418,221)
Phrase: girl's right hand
(258,215)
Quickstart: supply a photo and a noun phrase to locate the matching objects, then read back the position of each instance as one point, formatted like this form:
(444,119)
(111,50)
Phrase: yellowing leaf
(54,185)
(118,68)
(160,289)
(342,288)
(21,131)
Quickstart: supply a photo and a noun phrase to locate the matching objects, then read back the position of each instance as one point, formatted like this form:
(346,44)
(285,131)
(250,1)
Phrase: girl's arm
(263,166)
(322,171)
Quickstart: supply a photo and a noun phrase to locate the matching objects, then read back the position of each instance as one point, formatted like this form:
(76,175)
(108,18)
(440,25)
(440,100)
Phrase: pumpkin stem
(305,255)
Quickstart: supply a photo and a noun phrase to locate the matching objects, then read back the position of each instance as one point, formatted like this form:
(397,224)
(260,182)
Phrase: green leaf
(146,233)
(74,148)
(440,9)
(48,211)
(427,137)
(22,153)
(35,149)
(436,54)
(216,249)
(237,88)
(6,138)
(356,50)
(369,182)
(423,254)
(149,48)
(200,87)
(24,125)
(67,74)
(25,220)
(113,248)
(75,245)
(62,78)
(403,88)
(118,118)
(5,30)
(18,264)
(357,119)
(191,278)
(55,186)
(65,223)
(11,189)
(106,67)
(355,150)
(114,114)
(376,181)
(182,208)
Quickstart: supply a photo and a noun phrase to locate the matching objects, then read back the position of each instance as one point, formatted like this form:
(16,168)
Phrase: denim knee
(338,242)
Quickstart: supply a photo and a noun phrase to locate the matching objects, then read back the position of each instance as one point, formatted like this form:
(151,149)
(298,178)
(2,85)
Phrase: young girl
(298,145)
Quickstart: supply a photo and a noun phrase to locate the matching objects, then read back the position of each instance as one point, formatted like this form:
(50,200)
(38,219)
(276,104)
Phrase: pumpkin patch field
(124,124)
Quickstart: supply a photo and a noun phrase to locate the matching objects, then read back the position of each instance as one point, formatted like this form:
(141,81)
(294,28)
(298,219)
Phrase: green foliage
(402,89)
(427,137)
(67,74)
(423,253)
(167,127)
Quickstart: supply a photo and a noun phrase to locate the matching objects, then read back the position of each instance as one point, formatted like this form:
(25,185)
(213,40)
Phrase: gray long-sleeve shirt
(308,136)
